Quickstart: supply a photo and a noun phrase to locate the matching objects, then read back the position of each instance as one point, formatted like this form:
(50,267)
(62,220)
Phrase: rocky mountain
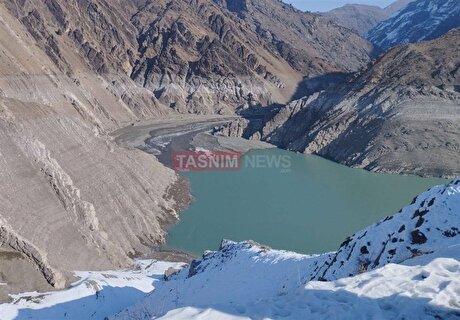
(420,20)
(400,115)
(362,18)
(214,55)
(70,197)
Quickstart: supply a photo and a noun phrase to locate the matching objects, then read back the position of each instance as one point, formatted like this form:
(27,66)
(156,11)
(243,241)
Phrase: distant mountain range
(420,20)
(362,18)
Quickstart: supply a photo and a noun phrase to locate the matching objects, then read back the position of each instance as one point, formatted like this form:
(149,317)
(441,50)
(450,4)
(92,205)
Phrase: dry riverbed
(163,137)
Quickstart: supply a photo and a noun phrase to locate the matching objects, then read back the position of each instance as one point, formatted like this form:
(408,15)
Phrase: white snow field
(95,296)
(426,287)
(403,267)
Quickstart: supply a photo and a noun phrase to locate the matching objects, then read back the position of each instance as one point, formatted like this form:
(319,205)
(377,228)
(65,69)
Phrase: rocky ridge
(362,18)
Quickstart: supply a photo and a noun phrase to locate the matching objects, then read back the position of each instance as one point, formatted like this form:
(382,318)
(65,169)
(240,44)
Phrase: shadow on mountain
(259,115)
(309,86)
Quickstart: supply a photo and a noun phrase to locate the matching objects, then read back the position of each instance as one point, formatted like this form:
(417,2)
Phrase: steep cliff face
(90,47)
(70,197)
(401,115)
(197,59)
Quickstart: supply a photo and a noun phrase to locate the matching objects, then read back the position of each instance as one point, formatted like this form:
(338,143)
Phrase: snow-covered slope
(95,296)
(426,287)
(403,267)
(247,280)
(420,20)
(429,224)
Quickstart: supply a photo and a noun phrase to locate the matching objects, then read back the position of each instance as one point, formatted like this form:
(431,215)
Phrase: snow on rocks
(420,20)
(224,282)
(95,296)
(255,283)
(430,223)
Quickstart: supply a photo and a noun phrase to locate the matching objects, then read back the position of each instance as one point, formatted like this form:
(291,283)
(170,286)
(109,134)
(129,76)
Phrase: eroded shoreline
(161,138)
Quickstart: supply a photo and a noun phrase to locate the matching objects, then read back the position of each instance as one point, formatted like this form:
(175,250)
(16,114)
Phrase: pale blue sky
(326,5)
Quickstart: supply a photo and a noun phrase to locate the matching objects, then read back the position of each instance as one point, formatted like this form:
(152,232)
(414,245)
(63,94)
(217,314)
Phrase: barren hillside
(401,115)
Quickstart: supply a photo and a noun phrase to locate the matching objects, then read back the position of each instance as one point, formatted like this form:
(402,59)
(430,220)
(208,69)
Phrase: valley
(340,118)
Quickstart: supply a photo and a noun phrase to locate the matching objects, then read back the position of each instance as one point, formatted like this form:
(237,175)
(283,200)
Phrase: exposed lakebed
(309,206)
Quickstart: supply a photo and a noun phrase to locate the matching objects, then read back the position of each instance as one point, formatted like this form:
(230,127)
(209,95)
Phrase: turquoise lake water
(301,203)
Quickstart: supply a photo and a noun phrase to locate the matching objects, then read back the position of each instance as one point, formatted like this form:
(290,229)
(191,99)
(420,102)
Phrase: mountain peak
(361,17)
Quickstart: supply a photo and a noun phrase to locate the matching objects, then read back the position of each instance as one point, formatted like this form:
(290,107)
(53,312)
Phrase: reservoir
(302,203)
